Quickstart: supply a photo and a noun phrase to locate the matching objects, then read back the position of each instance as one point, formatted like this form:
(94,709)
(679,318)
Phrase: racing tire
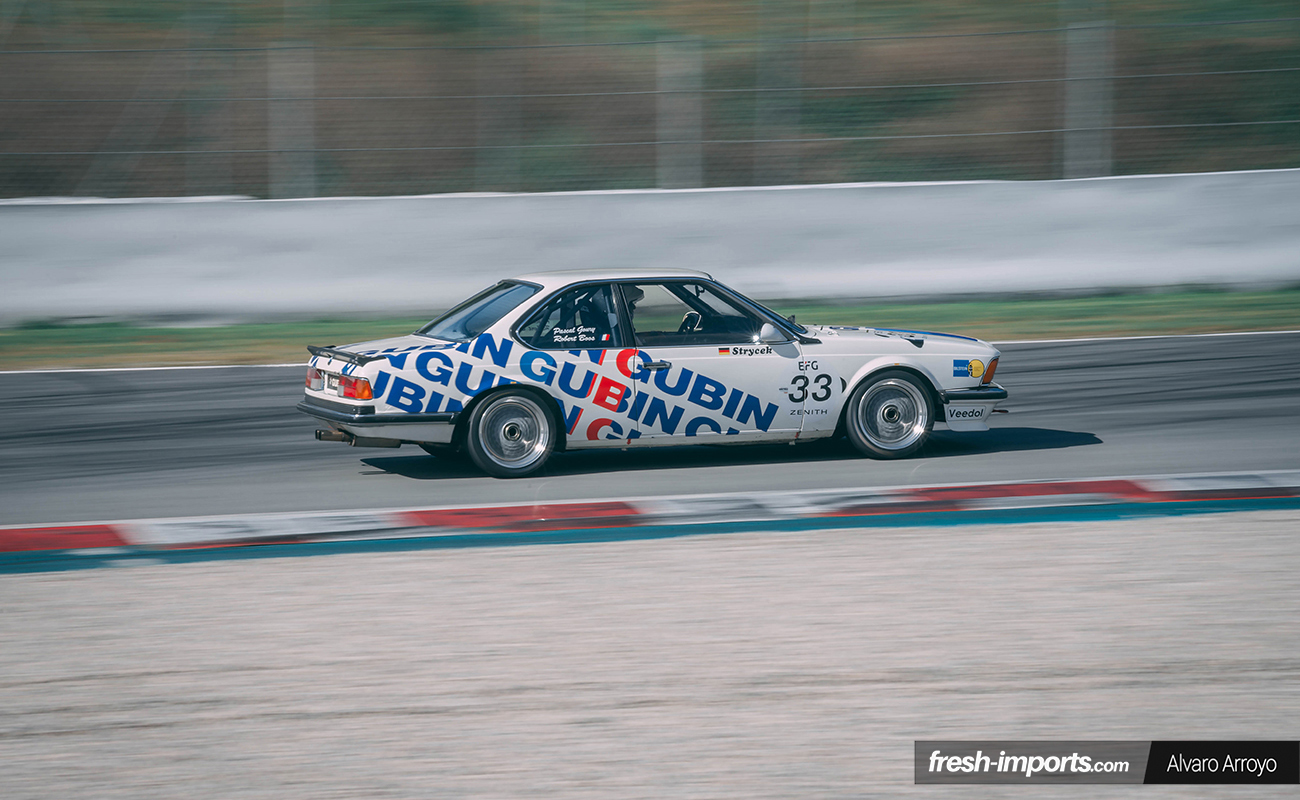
(889,415)
(510,434)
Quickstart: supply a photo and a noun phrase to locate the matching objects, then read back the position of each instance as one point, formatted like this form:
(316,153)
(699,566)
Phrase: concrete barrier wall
(257,258)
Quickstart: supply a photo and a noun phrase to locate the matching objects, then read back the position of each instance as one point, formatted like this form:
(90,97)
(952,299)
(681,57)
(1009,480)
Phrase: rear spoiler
(330,351)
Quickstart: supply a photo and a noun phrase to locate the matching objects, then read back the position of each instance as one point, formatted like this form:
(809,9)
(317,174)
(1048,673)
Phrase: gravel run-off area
(738,666)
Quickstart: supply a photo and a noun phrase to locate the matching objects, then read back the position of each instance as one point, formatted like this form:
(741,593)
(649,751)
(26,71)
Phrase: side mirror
(770,335)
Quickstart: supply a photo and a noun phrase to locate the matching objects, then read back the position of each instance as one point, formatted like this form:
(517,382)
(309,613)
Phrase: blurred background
(302,98)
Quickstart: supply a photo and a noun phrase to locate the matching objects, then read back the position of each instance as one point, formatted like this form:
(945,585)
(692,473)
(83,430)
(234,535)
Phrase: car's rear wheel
(890,415)
(510,435)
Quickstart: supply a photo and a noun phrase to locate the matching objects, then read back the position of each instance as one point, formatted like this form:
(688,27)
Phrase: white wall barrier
(257,258)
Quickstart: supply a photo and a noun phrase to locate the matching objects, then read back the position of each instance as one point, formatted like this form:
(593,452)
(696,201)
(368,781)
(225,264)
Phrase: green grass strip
(53,345)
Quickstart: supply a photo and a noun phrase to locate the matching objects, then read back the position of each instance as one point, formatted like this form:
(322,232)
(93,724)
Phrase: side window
(672,314)
(584,318)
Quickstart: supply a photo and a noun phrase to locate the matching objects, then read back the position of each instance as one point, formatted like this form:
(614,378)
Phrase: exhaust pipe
(355,441)
(365,441)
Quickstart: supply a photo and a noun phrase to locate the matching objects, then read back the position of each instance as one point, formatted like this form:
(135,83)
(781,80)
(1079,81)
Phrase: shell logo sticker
(975,368)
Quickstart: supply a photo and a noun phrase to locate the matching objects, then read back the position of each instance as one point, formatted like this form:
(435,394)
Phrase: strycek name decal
(443,379)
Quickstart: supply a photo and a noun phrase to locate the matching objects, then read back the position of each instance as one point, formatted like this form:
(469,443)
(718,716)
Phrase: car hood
(850,337)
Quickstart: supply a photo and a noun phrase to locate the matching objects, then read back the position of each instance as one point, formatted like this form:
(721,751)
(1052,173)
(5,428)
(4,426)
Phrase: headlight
(988,373)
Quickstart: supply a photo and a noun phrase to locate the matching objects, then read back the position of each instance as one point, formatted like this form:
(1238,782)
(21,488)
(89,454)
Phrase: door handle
(656,365)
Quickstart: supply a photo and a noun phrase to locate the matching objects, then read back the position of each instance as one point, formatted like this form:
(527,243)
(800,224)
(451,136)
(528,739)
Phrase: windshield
(480,312)
(760,307)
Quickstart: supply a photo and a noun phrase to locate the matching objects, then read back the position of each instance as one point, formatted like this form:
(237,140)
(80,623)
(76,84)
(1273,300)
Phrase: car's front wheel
(510,435)
(889,415)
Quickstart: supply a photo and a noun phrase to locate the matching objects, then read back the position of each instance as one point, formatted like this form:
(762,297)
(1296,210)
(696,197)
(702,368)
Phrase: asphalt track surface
(102,445)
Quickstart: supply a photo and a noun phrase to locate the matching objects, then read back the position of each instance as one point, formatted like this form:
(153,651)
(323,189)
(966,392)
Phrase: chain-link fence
(199,100)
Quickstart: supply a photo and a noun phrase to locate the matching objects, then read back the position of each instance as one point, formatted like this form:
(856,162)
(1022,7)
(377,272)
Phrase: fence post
(497,166)
(291,120)
(777,102)
(113,169)
(679,157)
(208,170)
(1089,56)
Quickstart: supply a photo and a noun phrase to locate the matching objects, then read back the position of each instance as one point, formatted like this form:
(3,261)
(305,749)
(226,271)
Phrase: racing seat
(595,311)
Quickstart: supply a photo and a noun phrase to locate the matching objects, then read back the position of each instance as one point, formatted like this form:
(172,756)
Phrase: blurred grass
(53,345)
(1197,311)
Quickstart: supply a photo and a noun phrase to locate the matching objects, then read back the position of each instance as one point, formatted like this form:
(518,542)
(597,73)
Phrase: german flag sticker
(724,351)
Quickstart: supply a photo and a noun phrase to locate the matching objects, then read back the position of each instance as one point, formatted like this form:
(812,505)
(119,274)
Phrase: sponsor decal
(963,368)
(976,412)
(821,388)
(596,426)
(444,379)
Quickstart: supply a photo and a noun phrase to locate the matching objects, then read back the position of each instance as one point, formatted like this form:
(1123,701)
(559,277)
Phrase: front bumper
(970,409)
(978,395)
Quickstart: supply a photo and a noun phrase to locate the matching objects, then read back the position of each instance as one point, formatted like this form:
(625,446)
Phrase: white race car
(603,359)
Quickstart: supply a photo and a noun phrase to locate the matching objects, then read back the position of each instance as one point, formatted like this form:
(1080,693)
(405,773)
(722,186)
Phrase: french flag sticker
(604,337)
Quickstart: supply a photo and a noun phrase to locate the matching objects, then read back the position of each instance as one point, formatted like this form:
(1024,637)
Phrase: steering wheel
(690,322)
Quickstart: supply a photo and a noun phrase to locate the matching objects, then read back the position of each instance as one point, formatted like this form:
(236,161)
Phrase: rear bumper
(340,413)
(363,423)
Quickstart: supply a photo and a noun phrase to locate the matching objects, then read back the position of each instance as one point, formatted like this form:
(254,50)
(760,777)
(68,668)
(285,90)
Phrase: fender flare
(548,402)
(879,365)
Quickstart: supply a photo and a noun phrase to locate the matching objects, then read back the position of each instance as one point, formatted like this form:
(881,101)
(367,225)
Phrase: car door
(578,349)
(701,371)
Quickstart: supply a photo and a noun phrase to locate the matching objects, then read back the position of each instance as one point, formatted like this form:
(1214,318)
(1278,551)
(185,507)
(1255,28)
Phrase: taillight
(356,388)
(988,373)
(315,380)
